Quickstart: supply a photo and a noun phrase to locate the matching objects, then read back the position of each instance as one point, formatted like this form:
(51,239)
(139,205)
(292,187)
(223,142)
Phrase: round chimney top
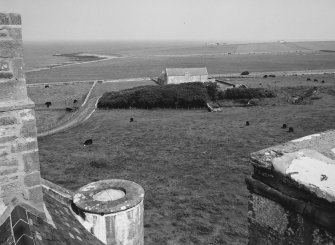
(108,196)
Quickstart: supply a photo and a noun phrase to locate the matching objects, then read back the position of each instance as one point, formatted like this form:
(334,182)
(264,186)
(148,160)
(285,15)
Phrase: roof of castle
(183,71)
(25,226)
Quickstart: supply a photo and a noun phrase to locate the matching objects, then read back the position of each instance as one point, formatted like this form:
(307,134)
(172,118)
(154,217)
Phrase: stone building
(292,190)
(34,211)
(183,75)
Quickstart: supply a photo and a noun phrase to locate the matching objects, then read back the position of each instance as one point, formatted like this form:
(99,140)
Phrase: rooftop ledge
(304,168)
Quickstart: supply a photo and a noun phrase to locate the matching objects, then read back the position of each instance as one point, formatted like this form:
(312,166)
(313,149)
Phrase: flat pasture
(191,163)
(284,81)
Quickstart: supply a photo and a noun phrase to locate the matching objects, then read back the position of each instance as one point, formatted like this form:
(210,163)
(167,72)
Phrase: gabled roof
(182,71)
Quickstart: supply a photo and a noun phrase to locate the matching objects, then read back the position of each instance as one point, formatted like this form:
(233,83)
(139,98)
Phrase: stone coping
(84,197)
(309,162)
(16,105)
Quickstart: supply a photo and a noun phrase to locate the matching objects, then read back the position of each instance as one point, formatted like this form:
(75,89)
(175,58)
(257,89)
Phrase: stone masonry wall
(19,163)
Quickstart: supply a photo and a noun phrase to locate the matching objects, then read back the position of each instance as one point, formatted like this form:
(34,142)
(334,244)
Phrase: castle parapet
(292,190)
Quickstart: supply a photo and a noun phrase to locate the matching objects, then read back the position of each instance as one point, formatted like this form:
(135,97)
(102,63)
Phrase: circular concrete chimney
(112,210)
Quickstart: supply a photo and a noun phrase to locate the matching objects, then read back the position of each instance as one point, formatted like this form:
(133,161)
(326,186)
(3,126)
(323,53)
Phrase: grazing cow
(75,101)
(265,76)
(272,75)
(284,126)
(131,119)
(290,130)
(315,80)
(247,123)
(68,109)
(88,142)
(308,79)
(48,104)
(46,86)
(322,81)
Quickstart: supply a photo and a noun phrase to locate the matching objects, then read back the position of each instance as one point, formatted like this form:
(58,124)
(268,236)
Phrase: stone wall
(19,163)
(292,192)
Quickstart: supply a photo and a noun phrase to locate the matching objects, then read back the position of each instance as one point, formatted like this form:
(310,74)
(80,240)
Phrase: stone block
(32,179)
(12,90)
(8,171)
(18,68)
(4,65)
(11,48)
(4,121)
(25,146)
(34,194)
(15,19)
(10,33)
(31,162)
(9,161)
(4,19)
(7,139)
(28,129)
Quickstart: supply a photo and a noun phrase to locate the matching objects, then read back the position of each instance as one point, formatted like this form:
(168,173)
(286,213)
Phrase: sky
(197,20)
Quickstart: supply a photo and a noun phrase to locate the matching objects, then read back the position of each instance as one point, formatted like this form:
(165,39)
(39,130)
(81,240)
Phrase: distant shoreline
(77,59)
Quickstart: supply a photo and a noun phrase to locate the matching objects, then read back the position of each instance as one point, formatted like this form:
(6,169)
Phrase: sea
(134,59)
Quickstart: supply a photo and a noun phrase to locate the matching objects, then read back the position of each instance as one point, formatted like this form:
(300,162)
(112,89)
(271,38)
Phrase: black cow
(322,81)
(247,123)
(315,80)
(290,130)
(68,109)
(284,126)
(48,104)
(308,79)
(88,142)
(131,119)
(46,86)
(265,76)
(75,101)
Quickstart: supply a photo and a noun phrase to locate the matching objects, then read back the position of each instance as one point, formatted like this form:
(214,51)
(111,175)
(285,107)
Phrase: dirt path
(79,116)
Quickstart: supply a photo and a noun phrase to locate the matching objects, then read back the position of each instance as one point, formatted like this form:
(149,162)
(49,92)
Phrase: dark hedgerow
(169,96)
(245,93)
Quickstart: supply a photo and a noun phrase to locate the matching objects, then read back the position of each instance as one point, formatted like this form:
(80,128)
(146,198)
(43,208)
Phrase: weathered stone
(8,171)
(6,75)
(15,19)
(7,139)
(32,179)
(11,48)
(28,129)
(10,33)
(31,162)
(25,146)
(18,68)
(4,65)
(9,162)
(4,121)
(35,195)
(4,19)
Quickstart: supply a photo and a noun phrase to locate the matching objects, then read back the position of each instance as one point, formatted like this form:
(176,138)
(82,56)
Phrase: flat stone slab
(308,161)
(108,196)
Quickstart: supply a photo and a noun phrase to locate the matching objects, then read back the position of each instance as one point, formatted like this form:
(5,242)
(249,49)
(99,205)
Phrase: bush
(168,96)
(245,73)
(246,93)
(212,90)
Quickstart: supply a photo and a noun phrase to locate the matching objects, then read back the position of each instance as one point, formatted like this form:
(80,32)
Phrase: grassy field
(191,163)
(284,81)
(59,95)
